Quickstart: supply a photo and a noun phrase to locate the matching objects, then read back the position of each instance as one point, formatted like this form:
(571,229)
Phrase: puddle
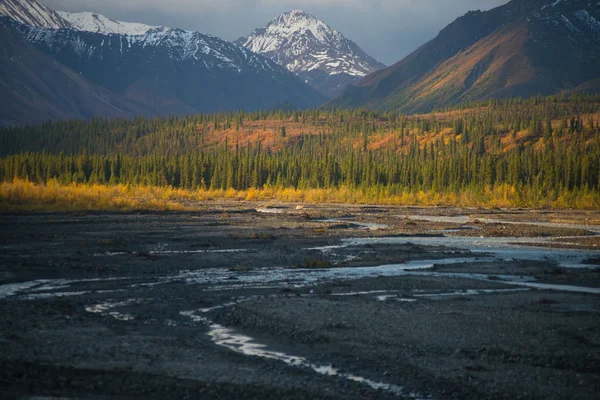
(35,289)
(13,288)
(197,251)
(563,288)
(236,287)
(328,249)
(470,292)
(464,219)
(460,219)
(386,297)
(159,252)
(270,210)
(40,285)
(112,254)
(395,297)
(107,307)
(361,225)
(39,296)
(504,249)
(54,285)
(50,295)
(389,294)
(362,293)
(591,228)
(525,281)
(226,305)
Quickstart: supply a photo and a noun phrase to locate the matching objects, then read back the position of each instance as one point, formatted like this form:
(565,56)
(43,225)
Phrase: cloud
(386,29)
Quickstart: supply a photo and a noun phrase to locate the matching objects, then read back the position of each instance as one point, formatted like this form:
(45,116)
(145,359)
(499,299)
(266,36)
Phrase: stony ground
(123,306)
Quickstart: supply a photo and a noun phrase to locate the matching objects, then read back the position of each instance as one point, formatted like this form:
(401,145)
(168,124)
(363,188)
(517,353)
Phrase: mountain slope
(30,12)
(35,88)
(523,48)
(313,50)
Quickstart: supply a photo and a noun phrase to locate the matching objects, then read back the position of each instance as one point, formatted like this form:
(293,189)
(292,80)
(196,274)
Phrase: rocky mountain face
(30,12)
(141,70)
(311,49)
(523,48)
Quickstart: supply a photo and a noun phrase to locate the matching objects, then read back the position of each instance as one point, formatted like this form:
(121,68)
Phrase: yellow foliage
(22,195)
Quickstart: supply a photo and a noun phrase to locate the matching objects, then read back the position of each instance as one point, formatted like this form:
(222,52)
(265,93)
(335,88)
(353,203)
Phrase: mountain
(174,70)
(310,48)
(523,48)
(30,12)
(161,71)
(35,88)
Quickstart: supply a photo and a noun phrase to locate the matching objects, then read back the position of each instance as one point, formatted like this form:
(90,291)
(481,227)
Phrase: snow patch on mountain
(98,23)
(181,45)
(588,19)
(579,19)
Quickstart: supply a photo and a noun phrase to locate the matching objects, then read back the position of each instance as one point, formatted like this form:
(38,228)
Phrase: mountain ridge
(160,56)
(156,70)
(555,45)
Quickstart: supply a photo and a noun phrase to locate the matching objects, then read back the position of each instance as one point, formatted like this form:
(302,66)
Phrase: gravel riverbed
(246,301)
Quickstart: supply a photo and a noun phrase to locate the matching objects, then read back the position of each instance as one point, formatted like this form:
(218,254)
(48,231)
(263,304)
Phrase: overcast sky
(386,29)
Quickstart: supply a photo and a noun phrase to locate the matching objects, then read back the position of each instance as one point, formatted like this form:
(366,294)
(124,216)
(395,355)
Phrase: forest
(536,152)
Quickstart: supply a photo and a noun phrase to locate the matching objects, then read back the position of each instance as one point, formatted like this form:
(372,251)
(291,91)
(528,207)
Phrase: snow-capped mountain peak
(30,12)
(98,23)
(293,34)
(297,22)
(312,49)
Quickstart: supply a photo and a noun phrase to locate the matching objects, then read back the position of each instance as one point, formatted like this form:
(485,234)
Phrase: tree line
(548,145)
